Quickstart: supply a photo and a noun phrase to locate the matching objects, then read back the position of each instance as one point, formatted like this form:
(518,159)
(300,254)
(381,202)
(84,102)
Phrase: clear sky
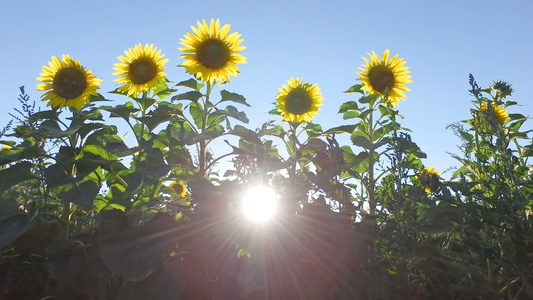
(321,41)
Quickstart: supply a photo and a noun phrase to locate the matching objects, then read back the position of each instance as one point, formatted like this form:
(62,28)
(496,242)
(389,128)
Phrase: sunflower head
(5,147)
(298,101)
(141,69)
(179,188)
(500,113)
(211,52)
(429,179)
(67,83)
(385,76)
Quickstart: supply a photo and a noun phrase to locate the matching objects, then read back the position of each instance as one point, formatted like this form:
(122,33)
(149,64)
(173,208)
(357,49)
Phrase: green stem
(203,147)
(371,162)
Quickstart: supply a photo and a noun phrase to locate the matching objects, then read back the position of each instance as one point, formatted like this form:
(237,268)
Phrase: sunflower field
(291,211)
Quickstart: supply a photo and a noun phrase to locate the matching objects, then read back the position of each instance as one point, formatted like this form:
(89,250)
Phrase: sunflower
(179,188)
(67,83)
(298,101)
(141,70)
(385,77)
(211,52)
(429,179)
(500,113)
(5,147)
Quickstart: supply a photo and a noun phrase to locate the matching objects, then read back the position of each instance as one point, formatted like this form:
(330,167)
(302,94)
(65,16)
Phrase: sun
(387,77)
(259,203)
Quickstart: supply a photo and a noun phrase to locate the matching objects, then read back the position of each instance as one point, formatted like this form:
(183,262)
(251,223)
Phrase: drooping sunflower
(387,77)
(429,179)
(67,83)
(141,69)
(179,188)
(211,52)
(298,101)
(500,113)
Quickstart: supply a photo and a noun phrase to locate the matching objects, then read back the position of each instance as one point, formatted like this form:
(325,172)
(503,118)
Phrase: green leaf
(55,175)
(83,195)
(191,83)
(466,136)
(351,158)
(152,121)
(92,154)
(243,253)
(439,219)
(27,149)
(85,129)
(231,111)
(313,128)
(196,111)
(97,98)
(152,163)
(162,91)
(347,106)
(50,128)
(146,102)
(181,131)
(350,115)
(44,115)
(191,95)
(93,115)
(167,108)
(341,129)
(15,174)
(514,127)
(369,99)
(211,133)
(246,134)
(12,225)
(515,117)
(275,112)
(274,131)
(355,89)
(384,110)
(112,199)
(124,111)
(228,96)
(361,141)
(135,252)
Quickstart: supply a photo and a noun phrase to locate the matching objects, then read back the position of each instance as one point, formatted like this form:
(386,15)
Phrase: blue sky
(321,41)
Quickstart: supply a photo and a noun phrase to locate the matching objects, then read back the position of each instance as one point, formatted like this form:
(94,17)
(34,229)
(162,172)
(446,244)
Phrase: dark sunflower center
(213,54)
(381,78)
(178,188)
(142,70)
(69,83)
(298,101)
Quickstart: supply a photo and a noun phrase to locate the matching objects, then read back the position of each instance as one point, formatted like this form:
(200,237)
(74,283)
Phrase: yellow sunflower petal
(385,76)
(298,101)
(141,70)
(67,84)
(211,53)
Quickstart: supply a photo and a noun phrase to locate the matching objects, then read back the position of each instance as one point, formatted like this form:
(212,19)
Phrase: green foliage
(88,214)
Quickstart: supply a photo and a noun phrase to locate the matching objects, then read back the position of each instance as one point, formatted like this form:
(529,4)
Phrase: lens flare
(259,203)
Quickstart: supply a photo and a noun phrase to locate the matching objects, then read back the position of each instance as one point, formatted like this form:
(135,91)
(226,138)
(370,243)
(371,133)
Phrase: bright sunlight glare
(259,203)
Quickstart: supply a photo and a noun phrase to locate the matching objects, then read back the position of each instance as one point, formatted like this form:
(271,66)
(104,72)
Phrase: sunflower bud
(502,89)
